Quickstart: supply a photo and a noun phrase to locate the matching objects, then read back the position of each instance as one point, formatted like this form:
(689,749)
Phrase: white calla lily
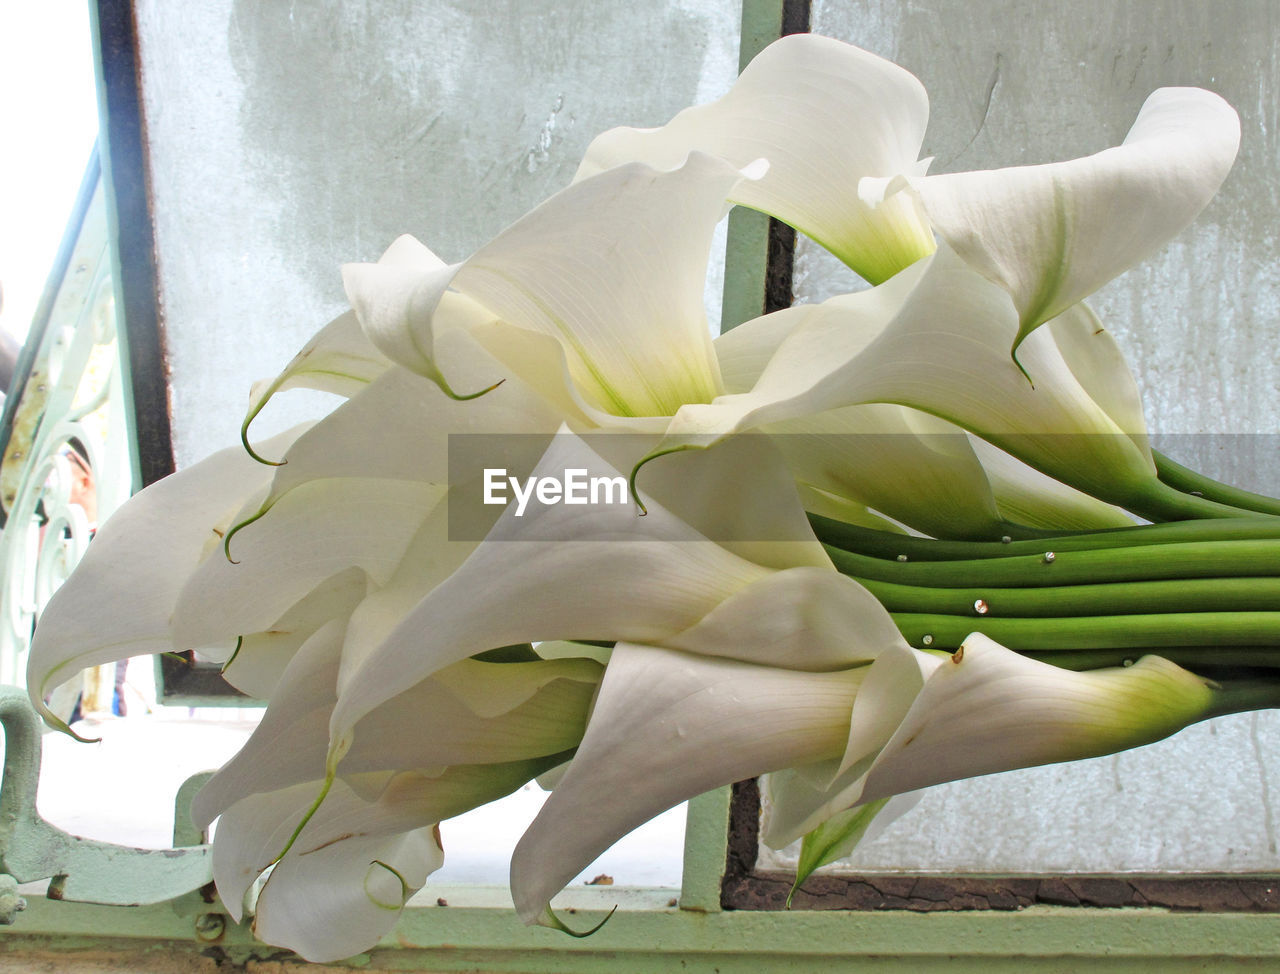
(922,340)
(988,709)
(473,733)
(157,539)
(1051,235)
(610,269)
(922,718)
(824,114)
(668,726)
(842,130)
(354,864)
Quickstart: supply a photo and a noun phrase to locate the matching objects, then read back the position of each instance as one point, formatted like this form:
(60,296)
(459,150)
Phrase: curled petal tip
(1013,355)
(444,387)
(248,448)
(548,919)
(226,541)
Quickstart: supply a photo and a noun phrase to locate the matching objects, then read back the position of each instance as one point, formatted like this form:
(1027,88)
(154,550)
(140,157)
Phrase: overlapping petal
(338,359)
(397,652)
(559,571)
(668,726)
(823,114)
(1051,235)
(346,499)
(611,269)
(936,338)
(471,713)
(356,861)
(988,709)
(924,718)
(150,547)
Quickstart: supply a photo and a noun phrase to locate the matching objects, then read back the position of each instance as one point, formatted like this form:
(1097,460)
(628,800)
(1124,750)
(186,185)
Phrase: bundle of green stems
(1201,592)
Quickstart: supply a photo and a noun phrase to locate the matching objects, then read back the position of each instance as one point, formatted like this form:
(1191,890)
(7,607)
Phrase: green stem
(1214,559)
(1134,632)
(1191,482)
(1204,660)
(882,544)
(1218,595)
(1158,501)
(1256,691)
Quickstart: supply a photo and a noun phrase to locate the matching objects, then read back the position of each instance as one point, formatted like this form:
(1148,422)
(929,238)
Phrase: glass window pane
(1016,82)
(287,139)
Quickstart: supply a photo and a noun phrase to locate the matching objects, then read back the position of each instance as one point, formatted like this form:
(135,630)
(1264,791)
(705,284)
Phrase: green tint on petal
(824,114)
(988,709)
(613,268)
(1051,235)
(865,454)
(832,840)
(1024,495)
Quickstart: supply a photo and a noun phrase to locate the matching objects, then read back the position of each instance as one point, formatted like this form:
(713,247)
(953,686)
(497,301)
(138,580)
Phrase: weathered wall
(1018,82)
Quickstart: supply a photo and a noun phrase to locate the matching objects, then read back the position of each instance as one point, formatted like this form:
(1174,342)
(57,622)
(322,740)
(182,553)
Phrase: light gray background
(289,138)
(1019,82)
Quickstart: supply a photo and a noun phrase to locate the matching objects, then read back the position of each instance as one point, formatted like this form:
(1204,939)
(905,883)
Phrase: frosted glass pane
(1025,82)
(286,139)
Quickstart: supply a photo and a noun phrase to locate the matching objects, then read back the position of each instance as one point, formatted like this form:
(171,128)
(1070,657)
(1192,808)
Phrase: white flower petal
(262,657)
(823,114)
(398,428)
(812,367)
(613,268)
(801,618)
(871,453)
(989,709)
(337,359)
(946,353)
(1099,366)
(1051,235)
(667,726)
(936,338)
(147,550)
(560,571)
(314,532)
(327,898)
(765,523)
(404,305)
(287,747)
(801,799)
(528,710)
(1026,496)
(342,899)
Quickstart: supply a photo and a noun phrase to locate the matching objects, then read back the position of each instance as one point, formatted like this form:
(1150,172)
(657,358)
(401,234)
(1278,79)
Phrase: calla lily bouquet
(908,535)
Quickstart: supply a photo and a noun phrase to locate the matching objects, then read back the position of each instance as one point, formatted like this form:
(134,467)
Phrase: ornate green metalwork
(83,870)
